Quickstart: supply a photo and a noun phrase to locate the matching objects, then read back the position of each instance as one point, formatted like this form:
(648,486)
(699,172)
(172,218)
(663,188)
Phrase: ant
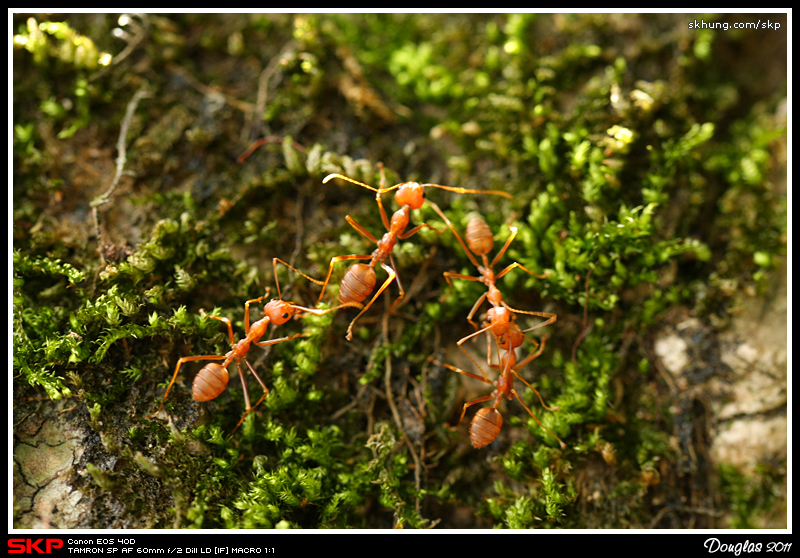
(359,281)
(487,422)
(212,378)
(480,241)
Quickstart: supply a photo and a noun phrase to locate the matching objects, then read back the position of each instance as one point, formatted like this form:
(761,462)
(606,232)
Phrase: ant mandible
(487,422)
(212,378)
(360,279)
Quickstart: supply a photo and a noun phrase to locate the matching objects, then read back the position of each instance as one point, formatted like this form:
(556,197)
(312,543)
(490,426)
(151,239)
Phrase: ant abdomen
(209,382)
(485,426)
(358,284)
(480,238)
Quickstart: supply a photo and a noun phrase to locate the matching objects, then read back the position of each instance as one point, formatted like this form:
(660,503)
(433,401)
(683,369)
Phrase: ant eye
(488,319)
(285,315)
(424,195)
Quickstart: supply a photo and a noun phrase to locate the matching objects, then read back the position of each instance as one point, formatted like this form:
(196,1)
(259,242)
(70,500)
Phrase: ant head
(280,311)
(411,194)
(499,316)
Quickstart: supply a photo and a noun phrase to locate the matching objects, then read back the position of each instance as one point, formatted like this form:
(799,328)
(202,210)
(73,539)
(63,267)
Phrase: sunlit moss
(635,197)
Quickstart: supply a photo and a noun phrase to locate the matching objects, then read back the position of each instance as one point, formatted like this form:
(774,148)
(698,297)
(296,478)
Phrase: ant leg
(539,395)
(263,386)
(459,190)
(247,406)
(382,172)
(475,309)
(275,262)
(320,312)
(356,182)
(525,361)
(330,269)
(182,361)
(470,336)
(489,336)
(399,283)
(378,191)
(563,445)
(514,231)
(361,230)
(441,214)
(522,267)
(381,190)
(386,283)
(226,321)
(448,275)
(418,228)
(264,344)
(459,370)
(258,379)
(532,356)
(247,312)
(470,404)
(551,318)
(384,217)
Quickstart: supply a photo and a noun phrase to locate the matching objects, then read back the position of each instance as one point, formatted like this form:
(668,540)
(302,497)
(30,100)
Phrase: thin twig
(208,90)
(121,160)
(393,407)
(300,230)
(254,115)
(341,412)
(689,509)
(139,33)
(585,319)
(417,283)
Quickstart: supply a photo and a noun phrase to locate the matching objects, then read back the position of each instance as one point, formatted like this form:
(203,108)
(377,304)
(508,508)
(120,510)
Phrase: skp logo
(29,546)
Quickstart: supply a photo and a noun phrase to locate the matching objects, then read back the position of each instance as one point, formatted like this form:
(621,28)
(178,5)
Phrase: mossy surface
(645,160)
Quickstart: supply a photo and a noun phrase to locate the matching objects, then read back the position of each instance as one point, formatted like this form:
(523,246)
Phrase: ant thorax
(399,221)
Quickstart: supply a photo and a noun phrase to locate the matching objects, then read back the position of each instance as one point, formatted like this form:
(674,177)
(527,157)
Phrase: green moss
(644,185)
(751,497)
(69,46)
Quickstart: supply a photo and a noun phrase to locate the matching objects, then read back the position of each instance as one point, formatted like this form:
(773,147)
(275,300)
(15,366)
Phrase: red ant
(480,241)
(360,279)
(501,316)
(487,422)
(212,379)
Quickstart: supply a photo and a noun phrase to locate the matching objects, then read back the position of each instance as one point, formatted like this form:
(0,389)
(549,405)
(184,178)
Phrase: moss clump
(644,161)
(754,498)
